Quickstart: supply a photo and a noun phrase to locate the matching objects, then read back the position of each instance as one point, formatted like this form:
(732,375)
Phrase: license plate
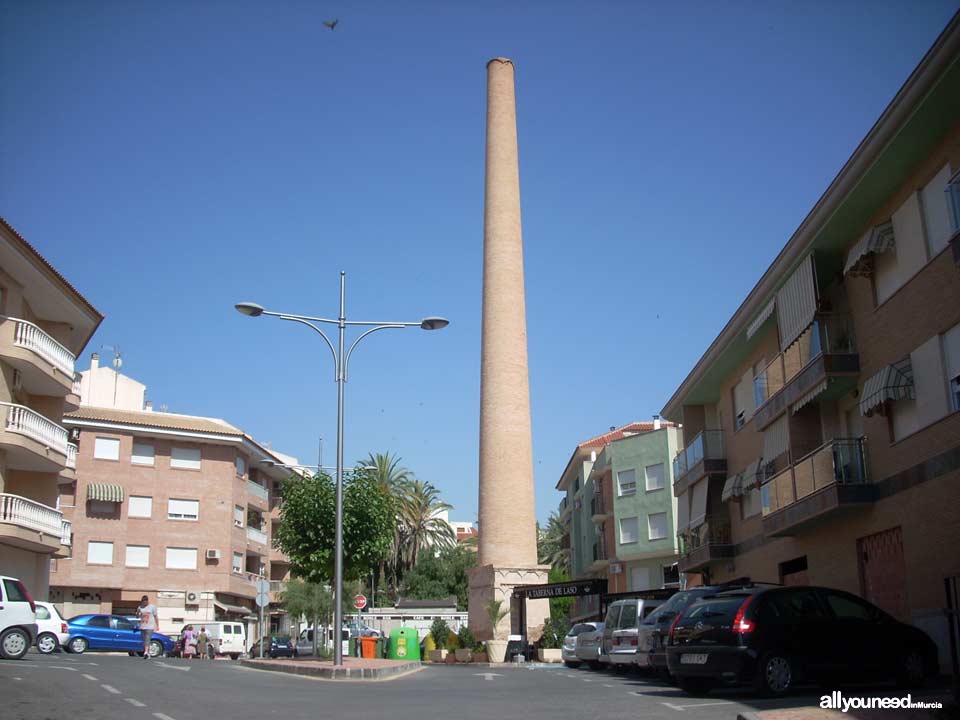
(693,659)
(643,660)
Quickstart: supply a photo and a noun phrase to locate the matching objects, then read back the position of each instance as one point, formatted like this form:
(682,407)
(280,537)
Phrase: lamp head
(250,309)
(434,323)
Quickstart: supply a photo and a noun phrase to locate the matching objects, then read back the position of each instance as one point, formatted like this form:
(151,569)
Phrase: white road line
(161,716)
(682,708)
(111,689)
(18,678)
(605,685)
(172,667)
(135,703)
(62,667)
(91,677)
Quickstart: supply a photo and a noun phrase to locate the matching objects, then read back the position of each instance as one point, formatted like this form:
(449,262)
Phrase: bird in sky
(332,24)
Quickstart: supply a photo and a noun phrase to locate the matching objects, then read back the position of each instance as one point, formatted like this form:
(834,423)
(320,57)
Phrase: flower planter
(437,656)
(497,650)
(551,655)
(464,655)
(451,657)
(479,657)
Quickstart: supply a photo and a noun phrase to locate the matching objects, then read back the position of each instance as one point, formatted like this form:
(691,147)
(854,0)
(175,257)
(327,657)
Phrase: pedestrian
(149,623)
(189,642)
(203,641)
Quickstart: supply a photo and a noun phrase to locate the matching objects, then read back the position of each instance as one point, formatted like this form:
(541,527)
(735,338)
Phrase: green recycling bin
(379,653)
(352,647)
(404,644)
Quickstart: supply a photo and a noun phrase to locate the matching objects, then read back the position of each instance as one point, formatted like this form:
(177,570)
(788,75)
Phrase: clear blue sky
(171,159)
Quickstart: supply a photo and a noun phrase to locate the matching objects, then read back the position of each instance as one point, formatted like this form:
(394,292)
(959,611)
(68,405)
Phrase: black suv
(773,638)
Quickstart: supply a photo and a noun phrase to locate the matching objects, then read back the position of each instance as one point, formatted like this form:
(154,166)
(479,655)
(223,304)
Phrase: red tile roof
(634,428)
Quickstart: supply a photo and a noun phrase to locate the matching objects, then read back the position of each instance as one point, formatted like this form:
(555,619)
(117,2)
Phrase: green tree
(386,470)
(310,600)
(550,543)
(560,607)
(442,575)
(421,526)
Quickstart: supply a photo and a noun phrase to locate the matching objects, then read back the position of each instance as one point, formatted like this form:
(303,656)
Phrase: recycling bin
(352,647)
(379,653)
(404,644)
(368,647)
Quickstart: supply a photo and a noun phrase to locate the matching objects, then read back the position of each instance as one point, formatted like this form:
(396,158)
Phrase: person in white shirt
(149,623)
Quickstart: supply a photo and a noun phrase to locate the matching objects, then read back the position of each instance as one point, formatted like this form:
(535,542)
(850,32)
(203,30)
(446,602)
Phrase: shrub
(453,641)
(553,633)
(496,612)
(440,632)
(466,637)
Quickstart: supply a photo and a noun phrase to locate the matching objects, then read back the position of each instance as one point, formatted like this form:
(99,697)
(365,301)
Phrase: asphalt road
(118,687)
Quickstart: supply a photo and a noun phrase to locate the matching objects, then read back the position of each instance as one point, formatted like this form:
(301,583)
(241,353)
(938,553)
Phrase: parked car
(621,625)
(568,652)
(18,621)
(773,638)
(275,646)
(227,637)
(52,630)
(590,646)
(305,640)
(112,632)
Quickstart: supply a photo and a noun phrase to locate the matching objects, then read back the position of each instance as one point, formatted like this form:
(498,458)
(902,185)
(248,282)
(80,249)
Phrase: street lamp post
(341,362)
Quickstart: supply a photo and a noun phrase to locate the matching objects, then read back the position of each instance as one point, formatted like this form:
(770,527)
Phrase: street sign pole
(263,599)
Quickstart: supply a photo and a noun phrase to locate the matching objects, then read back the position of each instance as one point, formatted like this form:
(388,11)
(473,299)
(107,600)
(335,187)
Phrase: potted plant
(550,643)
(479,653)
(496,649)
(439,631)
(466,641)
(453,647)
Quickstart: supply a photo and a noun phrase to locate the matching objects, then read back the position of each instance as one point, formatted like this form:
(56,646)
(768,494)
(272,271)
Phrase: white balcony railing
(257,535)
(76,385)
(26,513)
(259,490)
(71,456)
(66,533)
(29,336)
(23,420)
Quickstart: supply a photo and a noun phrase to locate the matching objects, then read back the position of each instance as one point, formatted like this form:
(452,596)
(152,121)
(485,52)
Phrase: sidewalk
(352,668)
(809,713)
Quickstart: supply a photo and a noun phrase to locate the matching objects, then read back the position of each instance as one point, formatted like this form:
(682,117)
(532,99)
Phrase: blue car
(112,632)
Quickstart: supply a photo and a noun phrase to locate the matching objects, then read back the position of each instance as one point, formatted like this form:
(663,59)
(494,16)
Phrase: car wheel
(47,643)
(156,648)
(695,686)
(78,645)
(570,664)
(234,656)
(14,643)
(912,671)
(775,676)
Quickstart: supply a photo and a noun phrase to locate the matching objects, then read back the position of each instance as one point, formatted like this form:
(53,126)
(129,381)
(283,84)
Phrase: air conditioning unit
(213,554)
(192,597)
(616,568)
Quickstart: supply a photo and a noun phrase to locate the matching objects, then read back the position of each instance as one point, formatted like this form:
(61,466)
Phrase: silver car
(569,650)
(621,628)
(589,647)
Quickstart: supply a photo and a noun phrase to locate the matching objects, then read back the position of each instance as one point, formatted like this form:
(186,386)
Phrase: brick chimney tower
(508,540)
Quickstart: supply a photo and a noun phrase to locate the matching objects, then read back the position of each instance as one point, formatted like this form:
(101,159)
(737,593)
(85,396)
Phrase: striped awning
(878,239)
(732,487)
(752,476)
(760,319)
(797,302)
(108,492)
(894,382)
(809,396)
(229,608)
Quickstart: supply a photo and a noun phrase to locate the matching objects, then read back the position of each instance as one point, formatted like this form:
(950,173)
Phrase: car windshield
(716,607)
(579,628)
(671,607)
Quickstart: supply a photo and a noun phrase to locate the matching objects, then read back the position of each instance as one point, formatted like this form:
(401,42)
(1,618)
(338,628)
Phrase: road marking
(18,678)
(606,685)
(90,677)
(173,667)
(62,667)
(161,716)
(111,689)
(135,703)
(682,708)
(489,676)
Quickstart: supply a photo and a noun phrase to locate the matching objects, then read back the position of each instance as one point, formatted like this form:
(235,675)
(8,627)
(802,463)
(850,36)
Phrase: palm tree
(549,543)
(393,478)
(420,522)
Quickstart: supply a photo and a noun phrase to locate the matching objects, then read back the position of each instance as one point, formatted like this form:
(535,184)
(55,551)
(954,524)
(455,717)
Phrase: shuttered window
(181,558)
(185,458)
(776,439)
(183,509)
(797,303)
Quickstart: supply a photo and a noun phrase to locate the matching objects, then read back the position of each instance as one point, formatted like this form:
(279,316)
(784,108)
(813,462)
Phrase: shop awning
(731,488)
(878,239)
(228,608)
(108,492)
(894,382)
(751,476)
(760,319)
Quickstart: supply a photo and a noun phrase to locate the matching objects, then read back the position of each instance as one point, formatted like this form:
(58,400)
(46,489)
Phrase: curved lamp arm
(336,368)
(346,362)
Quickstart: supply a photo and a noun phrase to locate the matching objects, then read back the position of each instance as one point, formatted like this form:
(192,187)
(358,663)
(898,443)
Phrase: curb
(500,666)
(748,716)
(332,673)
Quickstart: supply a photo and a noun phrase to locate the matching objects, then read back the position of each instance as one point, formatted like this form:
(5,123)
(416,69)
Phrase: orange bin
(368,647)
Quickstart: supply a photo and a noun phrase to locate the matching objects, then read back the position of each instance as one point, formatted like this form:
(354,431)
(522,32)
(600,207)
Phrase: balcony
(600,558)
(277,556)
(32,442)
(258,494)
(277,588)
(704,455)
(833,477)
(823,363)
(66,540)
(30,525)
(566,510)
(600,508)
(257,536)
(705,544)
(72,401)
(45,366)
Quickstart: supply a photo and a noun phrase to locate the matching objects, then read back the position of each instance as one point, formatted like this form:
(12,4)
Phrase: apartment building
(180,507)
(619,511)
(823,423)
(44,324)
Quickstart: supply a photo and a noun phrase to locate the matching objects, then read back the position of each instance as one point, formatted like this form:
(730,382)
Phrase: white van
(226,638)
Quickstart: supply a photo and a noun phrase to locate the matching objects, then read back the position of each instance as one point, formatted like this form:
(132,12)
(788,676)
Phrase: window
(238,515)
(628,530)
(894,268)
(181,558)
(936,211)
(106,448)
(576,484)
(953,191)
(143,454)
(628,615)
(750,504)
(671,574)
(951,354)
(613,614)
(102,621)
(847,607)
(657,526)
(140,506)
(117,623)
(929,383)
(655,477)
(238,562)
(138,556)
(15,591)
(241,466)
(792,605)
(627,482)
(99,553)
(183,509)
(101,507)
(42,613)
(640,578)
(744,400)
(185,458)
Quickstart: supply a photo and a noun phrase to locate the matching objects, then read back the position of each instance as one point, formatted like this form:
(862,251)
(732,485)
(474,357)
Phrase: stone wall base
(489,583)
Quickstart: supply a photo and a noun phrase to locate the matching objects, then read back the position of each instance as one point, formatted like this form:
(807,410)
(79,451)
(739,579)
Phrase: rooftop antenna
(117,363)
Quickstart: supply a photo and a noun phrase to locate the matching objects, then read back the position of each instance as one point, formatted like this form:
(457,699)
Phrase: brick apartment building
(822,425)
(176,506)
(44,324)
